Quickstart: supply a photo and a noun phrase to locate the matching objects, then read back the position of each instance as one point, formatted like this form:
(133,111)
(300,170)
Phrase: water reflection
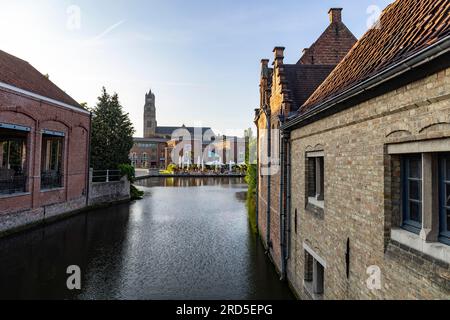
(188,239)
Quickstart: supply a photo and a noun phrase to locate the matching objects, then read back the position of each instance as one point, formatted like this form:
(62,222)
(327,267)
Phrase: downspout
(269,177)
(258,173)
(282,212)
(288,196)
(88,169)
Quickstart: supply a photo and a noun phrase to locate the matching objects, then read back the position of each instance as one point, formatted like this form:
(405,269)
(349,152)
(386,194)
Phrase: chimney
(335,15)
(264,68)
(279,55)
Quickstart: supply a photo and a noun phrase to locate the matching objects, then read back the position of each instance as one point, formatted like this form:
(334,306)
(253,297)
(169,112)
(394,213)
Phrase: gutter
(41,98)
(424,56)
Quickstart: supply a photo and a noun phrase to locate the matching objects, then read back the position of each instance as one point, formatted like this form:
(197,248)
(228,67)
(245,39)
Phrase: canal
(187,239)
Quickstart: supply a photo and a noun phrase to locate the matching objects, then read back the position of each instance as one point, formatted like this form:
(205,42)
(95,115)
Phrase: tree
(250,155)
(250,160)
(112,133)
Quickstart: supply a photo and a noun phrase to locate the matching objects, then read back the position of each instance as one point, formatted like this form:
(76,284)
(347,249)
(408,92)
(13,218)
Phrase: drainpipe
(288,195)
(258,173)
(281,209)
(88,169)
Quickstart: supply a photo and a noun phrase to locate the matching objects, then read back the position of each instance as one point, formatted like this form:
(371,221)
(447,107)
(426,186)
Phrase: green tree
(112,133)
(250,160)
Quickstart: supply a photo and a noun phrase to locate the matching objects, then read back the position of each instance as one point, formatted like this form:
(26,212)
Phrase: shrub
(128,171)
(251,177)
(135,193)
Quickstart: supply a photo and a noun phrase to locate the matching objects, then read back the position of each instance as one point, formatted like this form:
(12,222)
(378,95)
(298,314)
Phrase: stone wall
(108,192)
(361,195)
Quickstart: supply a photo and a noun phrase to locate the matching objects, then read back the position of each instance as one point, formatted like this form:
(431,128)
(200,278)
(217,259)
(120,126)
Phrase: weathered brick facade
(365,188)
(283,89)
(359,202)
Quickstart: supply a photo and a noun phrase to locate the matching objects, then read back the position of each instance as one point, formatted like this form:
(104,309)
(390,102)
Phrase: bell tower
(150,123)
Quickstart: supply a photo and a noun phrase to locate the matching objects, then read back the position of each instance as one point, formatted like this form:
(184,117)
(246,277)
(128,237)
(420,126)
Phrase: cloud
(106,32)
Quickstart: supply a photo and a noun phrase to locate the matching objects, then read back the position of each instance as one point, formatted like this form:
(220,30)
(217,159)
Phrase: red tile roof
(406,27)
(20,74)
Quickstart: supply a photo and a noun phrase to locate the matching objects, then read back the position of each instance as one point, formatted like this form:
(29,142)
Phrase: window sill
(315,208)
(308,287)
(317,203)
(14,195)
(435,250)
(51,190)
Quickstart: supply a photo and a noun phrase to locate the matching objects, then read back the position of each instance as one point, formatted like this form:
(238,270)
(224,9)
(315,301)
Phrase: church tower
(149,115)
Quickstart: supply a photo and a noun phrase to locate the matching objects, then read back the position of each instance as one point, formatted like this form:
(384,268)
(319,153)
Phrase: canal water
(187,239)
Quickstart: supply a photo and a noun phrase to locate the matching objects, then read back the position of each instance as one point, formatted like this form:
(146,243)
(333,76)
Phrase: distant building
(154,150)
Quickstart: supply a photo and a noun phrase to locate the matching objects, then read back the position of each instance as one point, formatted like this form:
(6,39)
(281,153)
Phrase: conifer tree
(112,133)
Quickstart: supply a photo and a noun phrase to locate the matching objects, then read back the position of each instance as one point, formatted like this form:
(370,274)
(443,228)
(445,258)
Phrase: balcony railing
(51,180)
(106,175)
(13,184)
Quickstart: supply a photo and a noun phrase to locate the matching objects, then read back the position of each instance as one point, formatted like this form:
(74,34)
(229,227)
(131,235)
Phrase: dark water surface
(188,239)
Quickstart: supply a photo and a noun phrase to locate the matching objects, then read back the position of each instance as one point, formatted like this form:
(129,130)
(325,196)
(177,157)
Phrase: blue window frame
(444,177)
(412,192)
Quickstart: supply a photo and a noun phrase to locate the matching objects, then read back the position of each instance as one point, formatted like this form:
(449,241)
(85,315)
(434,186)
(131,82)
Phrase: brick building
(44,146)
(366,198)
(283,89)
(154,150)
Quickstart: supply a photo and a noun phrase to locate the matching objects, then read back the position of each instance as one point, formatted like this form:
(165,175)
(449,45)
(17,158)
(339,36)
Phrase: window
(51,165)
(412,192)
(13,154)
(315,176)
(314,277)
(444,185)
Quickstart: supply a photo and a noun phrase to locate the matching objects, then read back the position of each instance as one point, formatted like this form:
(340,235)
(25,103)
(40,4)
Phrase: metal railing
(14,184)
(106,176)
(51,180)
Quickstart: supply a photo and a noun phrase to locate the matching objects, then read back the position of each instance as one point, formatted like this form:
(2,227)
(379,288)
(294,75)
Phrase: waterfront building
(364,178)
(44,147)
(283,88)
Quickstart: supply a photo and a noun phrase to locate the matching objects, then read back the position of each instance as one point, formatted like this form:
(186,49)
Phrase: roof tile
(19,73)
(405,27)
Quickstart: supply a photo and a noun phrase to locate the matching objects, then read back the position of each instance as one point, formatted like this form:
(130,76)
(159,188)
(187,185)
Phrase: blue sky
(201,58)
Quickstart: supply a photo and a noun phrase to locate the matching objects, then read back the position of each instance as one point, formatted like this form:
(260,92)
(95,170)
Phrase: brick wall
(37,115)
(362,196)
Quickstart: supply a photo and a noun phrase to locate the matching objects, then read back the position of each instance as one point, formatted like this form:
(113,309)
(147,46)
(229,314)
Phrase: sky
(201,58)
